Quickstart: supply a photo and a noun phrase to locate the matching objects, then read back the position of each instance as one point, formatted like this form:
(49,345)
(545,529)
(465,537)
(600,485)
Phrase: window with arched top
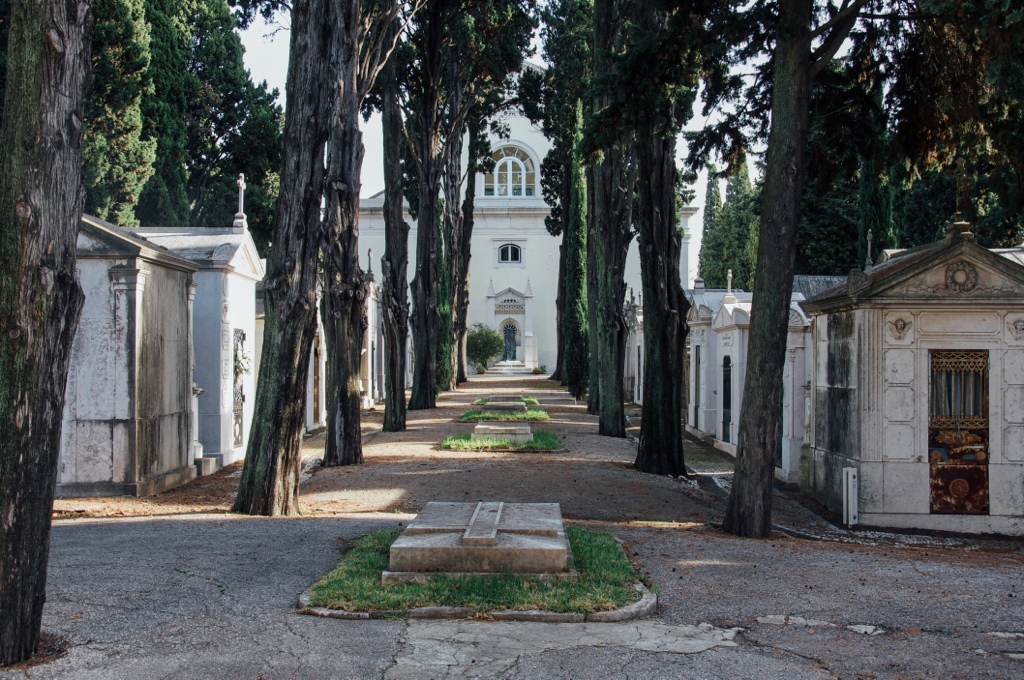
(514,173)
(510,253)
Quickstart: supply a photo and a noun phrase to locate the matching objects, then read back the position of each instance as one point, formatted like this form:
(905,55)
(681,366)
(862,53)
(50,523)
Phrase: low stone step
(504,407)
(519,434)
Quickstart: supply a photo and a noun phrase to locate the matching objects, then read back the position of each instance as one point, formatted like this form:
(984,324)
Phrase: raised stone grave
(456,539)
(504,407)
(520,434)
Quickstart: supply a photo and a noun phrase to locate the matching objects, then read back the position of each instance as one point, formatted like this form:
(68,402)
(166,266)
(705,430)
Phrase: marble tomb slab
(520,434)
(451,539)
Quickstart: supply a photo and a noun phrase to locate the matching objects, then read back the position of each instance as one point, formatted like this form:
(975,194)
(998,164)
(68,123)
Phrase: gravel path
(175,587)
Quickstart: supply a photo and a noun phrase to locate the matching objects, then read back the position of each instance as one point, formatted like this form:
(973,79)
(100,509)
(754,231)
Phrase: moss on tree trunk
(41,198)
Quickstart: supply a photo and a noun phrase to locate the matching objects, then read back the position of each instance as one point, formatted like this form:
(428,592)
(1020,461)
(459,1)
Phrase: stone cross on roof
(867,262)
(240,223)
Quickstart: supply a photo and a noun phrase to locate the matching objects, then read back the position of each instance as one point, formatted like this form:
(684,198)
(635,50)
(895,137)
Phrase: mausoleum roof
(209,248)
(99,238)
(898,267)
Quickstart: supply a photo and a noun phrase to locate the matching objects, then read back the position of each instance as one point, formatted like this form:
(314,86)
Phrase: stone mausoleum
(918,385)
(128,422)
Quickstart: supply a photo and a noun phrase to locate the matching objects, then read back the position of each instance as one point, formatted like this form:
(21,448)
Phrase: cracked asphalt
(211,595)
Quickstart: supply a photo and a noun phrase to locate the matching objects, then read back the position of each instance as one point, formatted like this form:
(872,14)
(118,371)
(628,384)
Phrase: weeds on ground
(606,579)
(542,441)
(529,414)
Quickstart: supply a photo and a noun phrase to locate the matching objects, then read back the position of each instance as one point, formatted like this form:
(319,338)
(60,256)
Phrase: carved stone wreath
(1016,329)
(899,328)
(961,277)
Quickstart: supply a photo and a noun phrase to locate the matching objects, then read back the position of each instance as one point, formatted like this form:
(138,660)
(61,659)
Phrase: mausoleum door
(958,434)
(696,385)
(726,398)
(238,401)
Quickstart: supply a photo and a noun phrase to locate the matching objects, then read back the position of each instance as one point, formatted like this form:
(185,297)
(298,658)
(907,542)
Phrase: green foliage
(576,362)
(483,344)
(732,240)
(541,441)
(210,122)
(712,208)
(525,400)
(115,161)
(606,578)
(529,414)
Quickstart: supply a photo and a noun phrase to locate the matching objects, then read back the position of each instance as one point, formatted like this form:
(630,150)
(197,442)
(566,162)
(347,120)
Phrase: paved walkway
(213,595)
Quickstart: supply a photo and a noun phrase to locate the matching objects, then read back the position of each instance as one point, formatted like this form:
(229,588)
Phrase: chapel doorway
(238,400)
(958,432)
(509,332)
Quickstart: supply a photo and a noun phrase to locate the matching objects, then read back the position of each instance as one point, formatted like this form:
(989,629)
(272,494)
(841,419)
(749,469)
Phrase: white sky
(266,56)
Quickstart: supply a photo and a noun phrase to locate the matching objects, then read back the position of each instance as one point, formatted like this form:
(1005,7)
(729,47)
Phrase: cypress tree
(712,208)
(576,367)
(116,161)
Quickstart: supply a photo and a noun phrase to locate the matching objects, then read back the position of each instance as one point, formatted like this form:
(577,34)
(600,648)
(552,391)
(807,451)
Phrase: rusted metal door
(958,433)
(726,398)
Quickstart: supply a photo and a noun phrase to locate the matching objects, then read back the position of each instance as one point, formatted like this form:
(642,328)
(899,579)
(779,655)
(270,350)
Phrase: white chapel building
(513,271)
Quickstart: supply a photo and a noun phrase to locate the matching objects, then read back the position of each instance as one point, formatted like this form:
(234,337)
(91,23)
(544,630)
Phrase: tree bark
(395,263)
(614,179)
(593,382)
(270,476)
(344,281)
(454,244)
(748,512)
(476,128)
(41,200)
(664,371)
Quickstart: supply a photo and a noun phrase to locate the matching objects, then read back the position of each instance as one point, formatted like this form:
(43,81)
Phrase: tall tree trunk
(576,362)
(41,199)
(270,476)
(395,263)
(614,180)
(426,319)
(748,512)
(476,129)
(661,436)
(453,225)
(344,282)
(593,382)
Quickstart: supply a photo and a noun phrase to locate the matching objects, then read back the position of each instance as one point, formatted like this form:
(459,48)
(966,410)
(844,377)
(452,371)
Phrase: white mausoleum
(918,386)
(128,423)
(225,325)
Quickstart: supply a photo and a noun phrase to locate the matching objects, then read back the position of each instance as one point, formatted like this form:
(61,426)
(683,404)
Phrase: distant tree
(576,363)
(116,162)
(728,245)
(712,208)
(41,200)
(483,343)
(209,120)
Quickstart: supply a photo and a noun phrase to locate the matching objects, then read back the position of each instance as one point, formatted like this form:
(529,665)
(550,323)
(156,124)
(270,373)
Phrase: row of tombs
(903,387)
(162,378)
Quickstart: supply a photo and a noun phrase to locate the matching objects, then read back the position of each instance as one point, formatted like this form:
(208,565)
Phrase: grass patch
(542,441)
(530,414)
(606,579)
(526,400)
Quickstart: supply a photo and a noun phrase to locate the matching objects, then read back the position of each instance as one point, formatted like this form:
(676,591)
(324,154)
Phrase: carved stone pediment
(959,279)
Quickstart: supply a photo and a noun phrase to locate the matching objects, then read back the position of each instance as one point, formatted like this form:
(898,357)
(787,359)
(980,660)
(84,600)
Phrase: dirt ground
(592,479)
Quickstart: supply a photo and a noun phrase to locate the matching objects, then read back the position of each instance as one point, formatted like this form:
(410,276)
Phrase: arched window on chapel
(514,174)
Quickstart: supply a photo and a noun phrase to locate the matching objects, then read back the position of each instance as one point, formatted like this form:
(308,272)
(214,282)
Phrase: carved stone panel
(1013,404)
(1015,329)
(899,328)
(899,441)
(899,366)
(1013,443)
(939,323)
(899,403)
(1013,367)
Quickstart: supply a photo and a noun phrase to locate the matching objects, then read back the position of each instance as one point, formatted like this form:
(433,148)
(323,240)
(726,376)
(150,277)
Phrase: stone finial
(868,260)
(698,285)
(369,260)
(959,227)
(240,224)
(728,282)
(529,289)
